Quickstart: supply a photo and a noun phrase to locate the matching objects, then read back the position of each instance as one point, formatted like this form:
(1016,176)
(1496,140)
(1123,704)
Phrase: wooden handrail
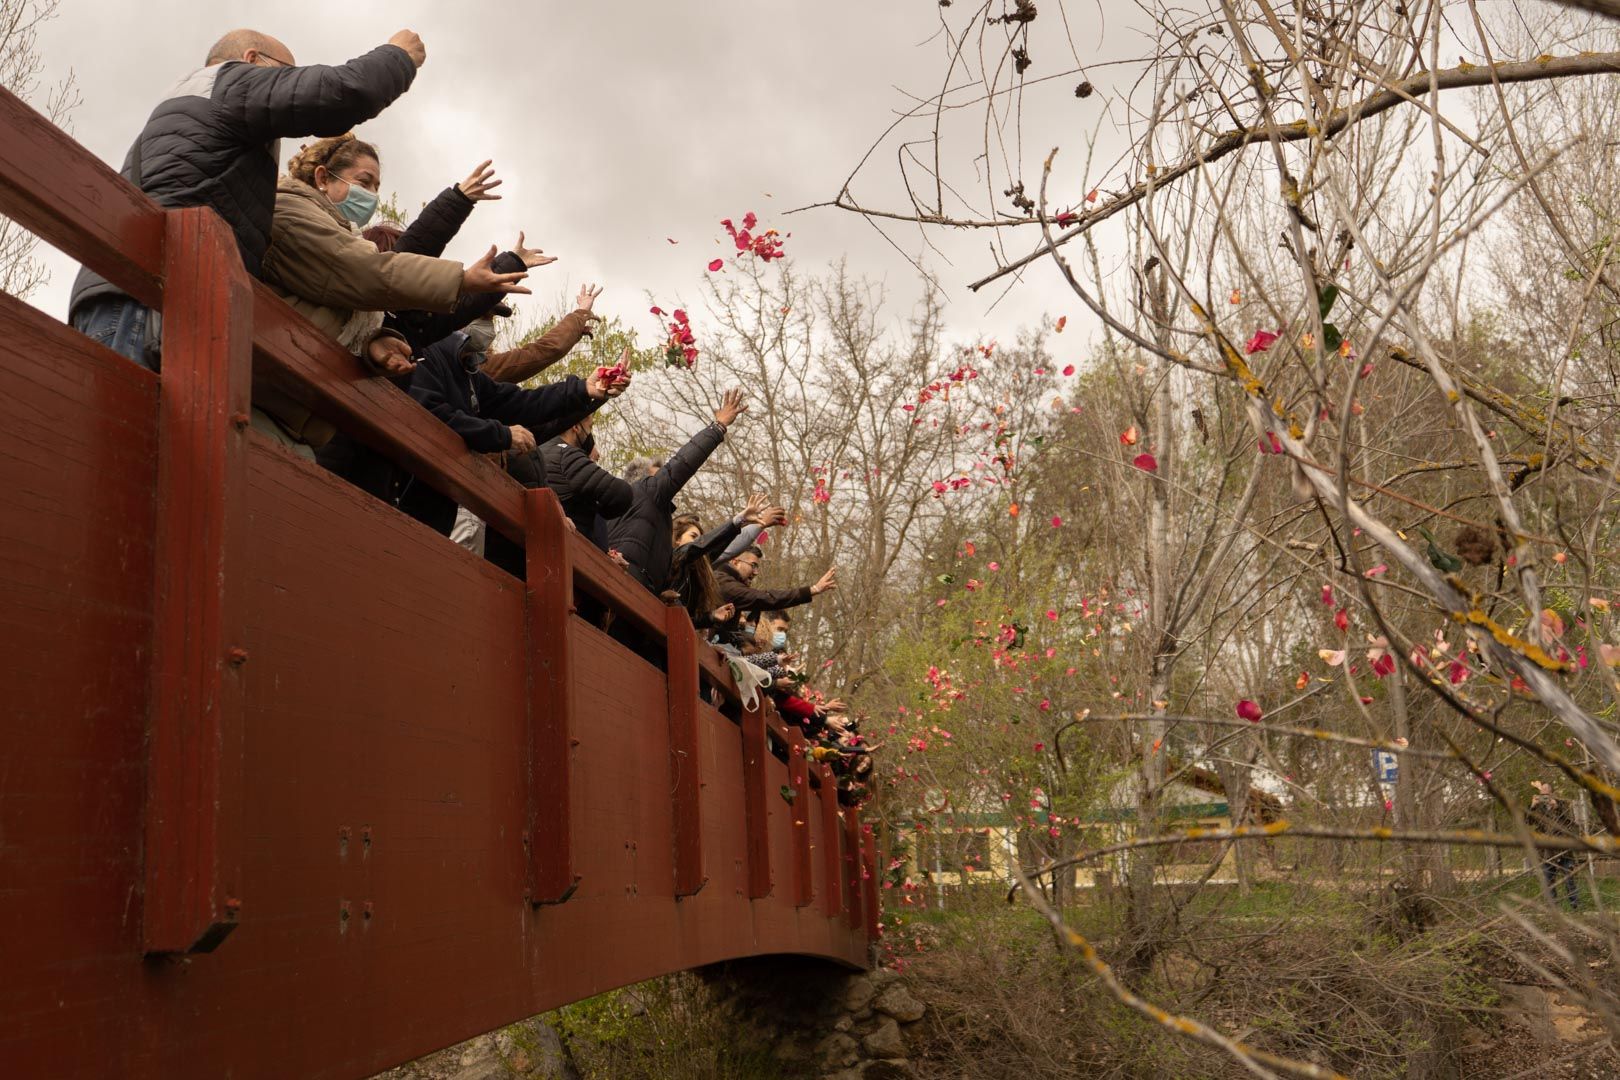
(57,190)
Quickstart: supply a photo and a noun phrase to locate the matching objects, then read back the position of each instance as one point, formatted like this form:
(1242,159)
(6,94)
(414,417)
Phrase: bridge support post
(193,825)
(756,818)
(832,892)
(852,866)
(869,883)
(549,573)
(686,821)
(799,781)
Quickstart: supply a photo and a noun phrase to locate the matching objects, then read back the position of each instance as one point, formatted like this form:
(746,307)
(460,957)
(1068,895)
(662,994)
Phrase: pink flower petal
(716,264)
(1260,342)
(1146,462)
(1249,710)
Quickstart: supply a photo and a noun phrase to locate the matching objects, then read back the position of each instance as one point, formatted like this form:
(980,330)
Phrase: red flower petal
(1261,341)
(716,264)
(1069,370)
(1249,710)
(1146,462)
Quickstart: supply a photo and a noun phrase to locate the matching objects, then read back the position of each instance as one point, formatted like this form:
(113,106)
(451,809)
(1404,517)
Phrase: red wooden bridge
(289,784)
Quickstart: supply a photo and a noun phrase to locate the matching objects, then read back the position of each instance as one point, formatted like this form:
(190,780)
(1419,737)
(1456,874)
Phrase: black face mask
(587,444)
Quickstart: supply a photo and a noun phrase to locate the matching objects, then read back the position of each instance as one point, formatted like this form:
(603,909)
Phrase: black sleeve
(437,224)
(713,542)
(684,463)
(749,599)
(320,100)
(481,435)
(527,469)
(547,411)
(423,328)
(587,480)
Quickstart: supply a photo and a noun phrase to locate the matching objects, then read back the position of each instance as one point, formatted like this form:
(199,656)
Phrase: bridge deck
(289,784)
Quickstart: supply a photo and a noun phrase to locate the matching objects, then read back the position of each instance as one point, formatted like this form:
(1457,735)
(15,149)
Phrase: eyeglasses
(276,60)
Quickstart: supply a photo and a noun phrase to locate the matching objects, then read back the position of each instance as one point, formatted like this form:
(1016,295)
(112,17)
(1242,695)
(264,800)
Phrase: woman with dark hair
(691,572)
(320,264)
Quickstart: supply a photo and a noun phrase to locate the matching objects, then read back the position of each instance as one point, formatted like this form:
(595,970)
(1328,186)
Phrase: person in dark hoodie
(491,417)
(212,141)
(643,533)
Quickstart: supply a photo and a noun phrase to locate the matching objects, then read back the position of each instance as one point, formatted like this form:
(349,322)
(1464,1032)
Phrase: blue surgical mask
(779,640)
(358,205)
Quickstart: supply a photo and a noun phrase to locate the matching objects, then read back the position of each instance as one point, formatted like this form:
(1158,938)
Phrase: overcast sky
(616,125)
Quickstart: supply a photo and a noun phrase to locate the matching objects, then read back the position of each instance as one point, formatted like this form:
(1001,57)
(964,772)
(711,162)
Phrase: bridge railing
(224,333)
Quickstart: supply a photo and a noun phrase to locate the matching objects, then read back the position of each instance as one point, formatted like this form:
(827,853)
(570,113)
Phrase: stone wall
(820,1020)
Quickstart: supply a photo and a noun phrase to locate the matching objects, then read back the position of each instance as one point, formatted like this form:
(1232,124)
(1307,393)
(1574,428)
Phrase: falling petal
(1146,462)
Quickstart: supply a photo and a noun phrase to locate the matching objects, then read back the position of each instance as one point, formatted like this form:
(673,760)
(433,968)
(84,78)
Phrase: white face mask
(480,335)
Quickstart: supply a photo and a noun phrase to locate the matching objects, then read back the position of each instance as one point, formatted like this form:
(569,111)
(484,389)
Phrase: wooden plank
(756,822)
(60,192)
(605,580)
(799,781)
(832,862)
(685,782)
(850,865)
(550,594)
(306,364)
(869,882)
(194,764)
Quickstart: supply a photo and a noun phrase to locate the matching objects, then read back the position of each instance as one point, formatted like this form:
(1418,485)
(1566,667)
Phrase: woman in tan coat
(330,274)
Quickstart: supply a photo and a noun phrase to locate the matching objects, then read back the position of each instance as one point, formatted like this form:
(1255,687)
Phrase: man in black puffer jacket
(643,533)
(214,142)
(491,417)
(590,495)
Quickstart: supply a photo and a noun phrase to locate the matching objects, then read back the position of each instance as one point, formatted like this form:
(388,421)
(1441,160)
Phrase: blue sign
(1386,765)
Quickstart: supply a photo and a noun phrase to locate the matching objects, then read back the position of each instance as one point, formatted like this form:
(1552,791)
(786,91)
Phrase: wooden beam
(869,882)
(851,867)
(193,840)
(686,819)
(756,820)
(310,367)
(549,588)
(799,780)
(59,191)
(832,875)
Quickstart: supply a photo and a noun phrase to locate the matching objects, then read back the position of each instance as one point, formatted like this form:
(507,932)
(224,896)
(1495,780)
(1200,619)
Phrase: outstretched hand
(586,299)
(723,613)
(828,581)
(407,40)
(481,277)
(604,383)
(532,257)
(390,354)
(754,511)
(731,407)
(480,182)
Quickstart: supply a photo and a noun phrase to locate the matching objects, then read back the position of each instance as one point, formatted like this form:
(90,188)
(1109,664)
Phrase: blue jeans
(124,326)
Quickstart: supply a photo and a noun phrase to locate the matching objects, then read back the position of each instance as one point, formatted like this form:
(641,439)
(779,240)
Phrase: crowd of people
(429,324)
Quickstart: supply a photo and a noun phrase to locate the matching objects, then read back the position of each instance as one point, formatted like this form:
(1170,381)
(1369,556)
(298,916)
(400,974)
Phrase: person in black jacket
(642,533)
(590,495)
(213,141)
(490,417)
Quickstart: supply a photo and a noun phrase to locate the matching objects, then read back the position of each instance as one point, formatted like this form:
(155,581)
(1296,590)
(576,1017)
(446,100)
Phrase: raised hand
(479,183)
(390,354)
(754,512)
(532,257)
(407,40)
(773,516)
(723,613)
(587,297)
(731,407)
(604,383)
(828,581)
(522,439)
(481,277)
